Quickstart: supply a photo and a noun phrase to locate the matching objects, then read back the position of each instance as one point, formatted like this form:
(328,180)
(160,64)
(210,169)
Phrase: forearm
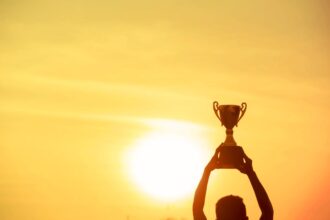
(262,197)
(199,198)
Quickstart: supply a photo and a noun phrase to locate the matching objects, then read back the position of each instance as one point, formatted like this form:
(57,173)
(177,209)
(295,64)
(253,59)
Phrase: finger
(219,147)
(217,151)
(248,160)
(217,165)
(241,169)
(215,156)
(246,157)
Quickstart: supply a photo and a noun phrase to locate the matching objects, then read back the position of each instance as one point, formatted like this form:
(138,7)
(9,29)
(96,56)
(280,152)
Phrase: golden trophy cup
(231,155)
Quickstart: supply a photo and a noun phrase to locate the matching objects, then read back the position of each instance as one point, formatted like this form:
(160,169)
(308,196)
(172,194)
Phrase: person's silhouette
(231,207)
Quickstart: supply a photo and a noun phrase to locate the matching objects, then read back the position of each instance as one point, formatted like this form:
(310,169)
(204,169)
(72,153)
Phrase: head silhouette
(231,208)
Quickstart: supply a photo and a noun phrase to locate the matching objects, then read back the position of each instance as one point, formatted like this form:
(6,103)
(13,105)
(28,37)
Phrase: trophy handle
(243,109)
(215,109)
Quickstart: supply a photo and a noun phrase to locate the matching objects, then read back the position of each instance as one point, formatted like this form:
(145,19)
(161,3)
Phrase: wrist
(251,173)
(208,170)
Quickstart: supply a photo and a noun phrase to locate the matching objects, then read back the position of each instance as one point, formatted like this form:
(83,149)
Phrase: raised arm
(200,193)
(260,192)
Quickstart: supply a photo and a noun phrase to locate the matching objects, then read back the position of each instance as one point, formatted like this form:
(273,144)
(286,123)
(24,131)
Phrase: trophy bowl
(231,155)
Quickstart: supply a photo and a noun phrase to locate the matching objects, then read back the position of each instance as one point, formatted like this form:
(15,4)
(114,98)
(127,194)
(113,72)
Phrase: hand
(246,167)
(214,162)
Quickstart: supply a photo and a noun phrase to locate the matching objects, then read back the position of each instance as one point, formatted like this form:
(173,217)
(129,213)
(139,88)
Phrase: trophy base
(231,157)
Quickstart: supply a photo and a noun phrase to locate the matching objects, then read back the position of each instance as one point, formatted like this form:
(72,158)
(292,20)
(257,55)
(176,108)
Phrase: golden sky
(81,81)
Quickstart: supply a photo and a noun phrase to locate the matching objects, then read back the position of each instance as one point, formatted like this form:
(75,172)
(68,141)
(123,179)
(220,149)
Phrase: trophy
(231,155)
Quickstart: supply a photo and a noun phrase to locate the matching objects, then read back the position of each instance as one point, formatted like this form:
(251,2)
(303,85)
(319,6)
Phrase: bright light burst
(167,164)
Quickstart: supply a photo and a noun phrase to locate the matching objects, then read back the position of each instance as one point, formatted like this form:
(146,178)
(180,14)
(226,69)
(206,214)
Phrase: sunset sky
(83,84)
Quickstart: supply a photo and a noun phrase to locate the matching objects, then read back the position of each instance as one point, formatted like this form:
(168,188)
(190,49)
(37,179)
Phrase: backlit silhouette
(231,207)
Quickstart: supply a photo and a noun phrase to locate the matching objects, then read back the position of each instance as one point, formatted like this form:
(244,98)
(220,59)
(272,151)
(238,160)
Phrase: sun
(167,164)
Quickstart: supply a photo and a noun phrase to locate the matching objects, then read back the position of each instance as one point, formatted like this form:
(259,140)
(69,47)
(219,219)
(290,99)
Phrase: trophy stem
(230,141)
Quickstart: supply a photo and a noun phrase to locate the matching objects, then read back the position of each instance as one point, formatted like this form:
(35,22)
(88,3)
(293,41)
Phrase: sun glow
(167,164)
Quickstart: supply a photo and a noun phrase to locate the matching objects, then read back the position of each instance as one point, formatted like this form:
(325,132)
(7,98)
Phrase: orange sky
(81,81)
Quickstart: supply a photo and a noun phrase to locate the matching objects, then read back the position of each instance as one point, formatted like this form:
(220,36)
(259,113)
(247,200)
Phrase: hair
(231,208)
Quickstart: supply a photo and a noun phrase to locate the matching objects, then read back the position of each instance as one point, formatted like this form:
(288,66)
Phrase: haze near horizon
(84,83)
